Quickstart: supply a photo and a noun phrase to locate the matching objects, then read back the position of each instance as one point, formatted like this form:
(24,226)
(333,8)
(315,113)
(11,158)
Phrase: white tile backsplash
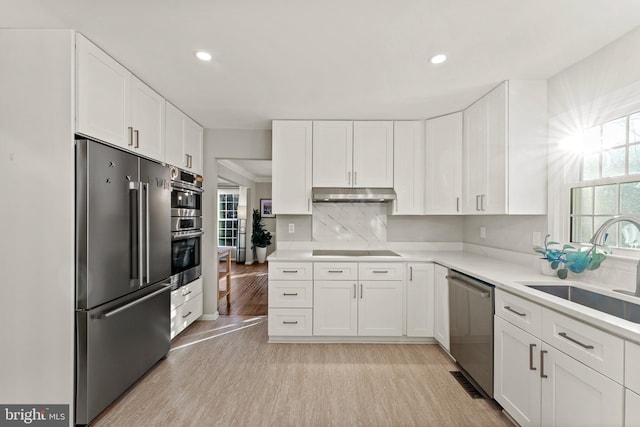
(363,224)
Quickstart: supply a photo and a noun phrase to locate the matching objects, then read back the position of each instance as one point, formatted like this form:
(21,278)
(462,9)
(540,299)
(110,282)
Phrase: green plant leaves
(562,273)
(571,259)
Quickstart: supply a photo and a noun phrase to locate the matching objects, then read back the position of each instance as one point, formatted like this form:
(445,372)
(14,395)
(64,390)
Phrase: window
(609,182)
(227,219)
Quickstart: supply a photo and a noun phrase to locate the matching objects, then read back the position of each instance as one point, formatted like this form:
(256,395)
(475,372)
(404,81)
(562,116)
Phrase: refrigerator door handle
(134,189)
(120,309)
(141,231)
(147,231)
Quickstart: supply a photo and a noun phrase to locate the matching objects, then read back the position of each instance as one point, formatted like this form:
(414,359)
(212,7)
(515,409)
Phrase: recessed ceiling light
(438,59)
(203,56)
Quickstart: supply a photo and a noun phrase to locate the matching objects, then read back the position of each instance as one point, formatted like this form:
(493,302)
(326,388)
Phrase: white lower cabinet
(516,384)
(631,408)
(290,299)
(540,385)
(352,306)
(186,306)
(441,309)
(420,300)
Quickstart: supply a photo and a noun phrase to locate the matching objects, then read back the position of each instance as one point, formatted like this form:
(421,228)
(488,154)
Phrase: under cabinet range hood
(326,194)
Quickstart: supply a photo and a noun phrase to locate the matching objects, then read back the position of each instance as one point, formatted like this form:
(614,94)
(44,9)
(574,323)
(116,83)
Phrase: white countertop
(503,275)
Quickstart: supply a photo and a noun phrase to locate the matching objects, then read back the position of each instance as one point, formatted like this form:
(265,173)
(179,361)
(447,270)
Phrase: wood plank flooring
(224,373)
(249,290)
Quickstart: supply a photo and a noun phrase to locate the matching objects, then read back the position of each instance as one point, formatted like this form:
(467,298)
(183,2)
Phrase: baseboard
(213,316)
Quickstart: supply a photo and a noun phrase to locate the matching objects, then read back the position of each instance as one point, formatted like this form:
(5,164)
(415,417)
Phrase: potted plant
(260,238)
(568,258)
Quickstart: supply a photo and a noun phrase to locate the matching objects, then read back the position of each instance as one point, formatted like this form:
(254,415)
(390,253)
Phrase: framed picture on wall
(266,209)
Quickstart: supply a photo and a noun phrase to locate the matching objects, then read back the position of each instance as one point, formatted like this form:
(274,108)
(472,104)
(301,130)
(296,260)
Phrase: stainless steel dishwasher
(471,307)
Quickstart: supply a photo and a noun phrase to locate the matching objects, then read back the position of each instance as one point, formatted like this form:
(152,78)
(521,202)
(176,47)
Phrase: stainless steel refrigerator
(123,264)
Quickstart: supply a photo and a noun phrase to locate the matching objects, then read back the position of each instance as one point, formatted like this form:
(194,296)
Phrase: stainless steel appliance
(471,308)
(186,226)
(122,316)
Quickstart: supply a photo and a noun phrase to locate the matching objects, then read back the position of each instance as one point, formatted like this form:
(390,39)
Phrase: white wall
(37,251)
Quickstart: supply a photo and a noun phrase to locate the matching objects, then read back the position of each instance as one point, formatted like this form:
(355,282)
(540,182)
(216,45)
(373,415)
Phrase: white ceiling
(338,59)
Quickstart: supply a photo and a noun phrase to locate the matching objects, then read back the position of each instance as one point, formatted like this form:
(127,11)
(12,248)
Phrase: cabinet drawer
(593,347)
(185,293)
(290,321)
(524,314)
(335,271)
(290,294)
(290,271)
(380,271)
(632,366)
(186,314)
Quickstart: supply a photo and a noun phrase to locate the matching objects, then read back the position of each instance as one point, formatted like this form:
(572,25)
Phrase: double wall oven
(186,226)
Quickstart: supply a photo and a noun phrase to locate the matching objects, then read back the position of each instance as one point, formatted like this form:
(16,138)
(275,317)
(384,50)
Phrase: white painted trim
(359,340)
(231,165)
(213,316)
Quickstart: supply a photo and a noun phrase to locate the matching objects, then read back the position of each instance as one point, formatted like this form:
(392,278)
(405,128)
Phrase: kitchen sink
(616,307)
(350,252)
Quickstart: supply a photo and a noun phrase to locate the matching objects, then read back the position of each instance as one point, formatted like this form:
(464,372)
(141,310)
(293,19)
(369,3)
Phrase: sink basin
(616,307)
(348,252)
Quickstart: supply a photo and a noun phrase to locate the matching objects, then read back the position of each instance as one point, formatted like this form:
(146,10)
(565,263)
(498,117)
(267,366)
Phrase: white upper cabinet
(409,167)
(353,154)
(103,95)
(332,153)
(183,140)
(291,165)
(505,150)
(147,120)
(114,106)
(373,154)
(444,165)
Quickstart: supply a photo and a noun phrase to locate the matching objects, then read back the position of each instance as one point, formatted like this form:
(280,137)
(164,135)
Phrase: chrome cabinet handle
(290,295)
(186,315)
(335,271)
(186,160)
(573,340)
(290,322)
(354,291)
(289,271)
(355,178)
(130,136)
(380,271)
(457,204)
(184,295)
(531,347)
(477,202)
(137,134)
(482,200)
(410,273)
(132,304)
(508,308)
(360,290)
(542,374)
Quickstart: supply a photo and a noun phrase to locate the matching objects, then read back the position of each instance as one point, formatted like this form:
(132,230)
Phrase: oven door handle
(186,234)
(187,187)
(471,288)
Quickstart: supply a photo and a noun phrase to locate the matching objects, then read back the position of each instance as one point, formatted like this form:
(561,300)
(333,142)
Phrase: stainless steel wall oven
(186,227)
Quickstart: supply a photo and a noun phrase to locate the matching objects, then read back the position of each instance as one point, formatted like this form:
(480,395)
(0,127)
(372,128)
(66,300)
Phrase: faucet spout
(600,236)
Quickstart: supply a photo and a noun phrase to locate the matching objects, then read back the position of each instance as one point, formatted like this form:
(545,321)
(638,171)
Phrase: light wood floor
(249,290)
(224,373)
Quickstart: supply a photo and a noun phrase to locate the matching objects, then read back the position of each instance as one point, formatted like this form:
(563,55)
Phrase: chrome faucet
(600,236)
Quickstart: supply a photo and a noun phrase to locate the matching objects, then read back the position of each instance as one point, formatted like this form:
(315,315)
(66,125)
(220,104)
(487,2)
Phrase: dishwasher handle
(470,287)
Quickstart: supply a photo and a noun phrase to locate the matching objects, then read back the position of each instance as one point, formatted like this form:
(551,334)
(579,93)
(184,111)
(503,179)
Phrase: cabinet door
(632,409)
(291,161)
(444,165)
(517,373)
(335,308)
(576,395)
(474,159)
(193,145)
(147,120)
(332,154)
(103,95)
(420,303)
(380,308)
(441,309)
(174,136)
(409,167)
(494,200)
(373,154)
